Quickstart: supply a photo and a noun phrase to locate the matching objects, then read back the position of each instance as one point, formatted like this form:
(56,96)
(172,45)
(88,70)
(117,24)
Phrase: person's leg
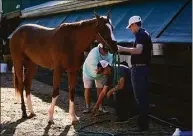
(118,106)
(140,83)
(131,100)
(99,85)
(124,104)
(125,109)
(87,86)
(87,96)
(131,105)
(121,107)
(98,92)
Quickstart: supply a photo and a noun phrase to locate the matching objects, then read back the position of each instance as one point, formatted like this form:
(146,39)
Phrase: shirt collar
(141,29)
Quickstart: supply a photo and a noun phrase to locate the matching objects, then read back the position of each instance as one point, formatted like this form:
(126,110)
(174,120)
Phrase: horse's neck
(88,35)
(85,33)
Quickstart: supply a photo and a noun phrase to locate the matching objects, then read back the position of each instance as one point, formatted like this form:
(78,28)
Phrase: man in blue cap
(140,59)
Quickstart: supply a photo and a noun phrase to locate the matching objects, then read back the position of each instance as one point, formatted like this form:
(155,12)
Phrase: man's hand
(137,50)
(99,71)
(120,48)
(110,92)
(95,109)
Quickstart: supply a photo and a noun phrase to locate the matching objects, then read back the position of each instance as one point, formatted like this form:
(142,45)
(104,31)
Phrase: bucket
(126,58)
(3,67)
(158,49)
(178,132)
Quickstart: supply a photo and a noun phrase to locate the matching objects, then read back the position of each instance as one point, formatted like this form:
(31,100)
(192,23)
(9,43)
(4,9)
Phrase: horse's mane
(39,26)
(79,24)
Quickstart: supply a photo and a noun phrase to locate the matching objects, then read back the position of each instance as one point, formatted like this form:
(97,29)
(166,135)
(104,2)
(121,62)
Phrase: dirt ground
(12,124)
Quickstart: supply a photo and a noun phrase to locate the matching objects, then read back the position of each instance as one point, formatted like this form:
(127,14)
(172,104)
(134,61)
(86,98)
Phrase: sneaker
(103,110)
(87,110)
(119,121)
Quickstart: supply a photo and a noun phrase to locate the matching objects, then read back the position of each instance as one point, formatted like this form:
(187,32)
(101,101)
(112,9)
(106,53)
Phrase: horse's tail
(17,92)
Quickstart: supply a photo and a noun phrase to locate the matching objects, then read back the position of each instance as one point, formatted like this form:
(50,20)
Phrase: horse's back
(32,34)
(34,41)
(33,30)
(36,26)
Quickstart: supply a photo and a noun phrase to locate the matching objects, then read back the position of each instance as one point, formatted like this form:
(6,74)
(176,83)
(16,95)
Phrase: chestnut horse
(61,49)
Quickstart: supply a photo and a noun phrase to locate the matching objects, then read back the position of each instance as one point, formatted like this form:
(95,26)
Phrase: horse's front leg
(72,83)
(55,93)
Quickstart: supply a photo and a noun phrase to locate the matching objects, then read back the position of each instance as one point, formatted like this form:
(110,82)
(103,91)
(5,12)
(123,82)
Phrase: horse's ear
(96,15)
(108,14)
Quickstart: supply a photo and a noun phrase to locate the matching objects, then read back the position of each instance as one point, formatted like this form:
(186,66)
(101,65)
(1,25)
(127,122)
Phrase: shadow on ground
(7,127)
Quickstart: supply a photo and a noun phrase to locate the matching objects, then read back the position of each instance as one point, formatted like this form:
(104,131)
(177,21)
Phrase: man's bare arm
(137,50)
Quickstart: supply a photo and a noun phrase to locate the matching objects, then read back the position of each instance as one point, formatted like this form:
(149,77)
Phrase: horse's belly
(43,64)
(42,59)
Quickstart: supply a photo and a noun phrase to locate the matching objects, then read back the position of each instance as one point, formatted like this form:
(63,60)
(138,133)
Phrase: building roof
(180,30)
(166,21)
(53,7)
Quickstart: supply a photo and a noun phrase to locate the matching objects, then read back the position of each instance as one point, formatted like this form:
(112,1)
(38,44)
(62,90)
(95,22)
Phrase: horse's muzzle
(114,47)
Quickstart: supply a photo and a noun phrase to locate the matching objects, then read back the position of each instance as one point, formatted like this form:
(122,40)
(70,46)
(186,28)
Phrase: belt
(138,65)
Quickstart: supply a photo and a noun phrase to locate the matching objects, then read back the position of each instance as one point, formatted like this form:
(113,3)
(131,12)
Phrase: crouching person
(124,92)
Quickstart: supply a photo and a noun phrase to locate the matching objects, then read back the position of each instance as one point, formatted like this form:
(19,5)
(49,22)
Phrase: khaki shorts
(99,83)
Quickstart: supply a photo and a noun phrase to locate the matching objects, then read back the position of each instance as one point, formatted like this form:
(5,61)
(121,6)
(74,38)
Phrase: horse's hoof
(31,115)
(50,122)
(16,102)
(75,122)
(24,116)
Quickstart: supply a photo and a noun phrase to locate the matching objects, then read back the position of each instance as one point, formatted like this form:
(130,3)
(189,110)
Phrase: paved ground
(11,124)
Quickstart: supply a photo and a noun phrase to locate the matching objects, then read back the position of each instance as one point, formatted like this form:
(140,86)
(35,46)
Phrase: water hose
(168,123)
(81,131)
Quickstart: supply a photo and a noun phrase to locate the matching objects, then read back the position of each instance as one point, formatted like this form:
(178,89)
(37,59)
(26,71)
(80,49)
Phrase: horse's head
(105,32)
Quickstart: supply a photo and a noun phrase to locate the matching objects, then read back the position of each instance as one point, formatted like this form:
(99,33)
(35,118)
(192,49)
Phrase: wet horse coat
(61,49)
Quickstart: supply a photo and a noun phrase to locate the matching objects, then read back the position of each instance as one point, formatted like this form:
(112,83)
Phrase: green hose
(116,65)
(82,132)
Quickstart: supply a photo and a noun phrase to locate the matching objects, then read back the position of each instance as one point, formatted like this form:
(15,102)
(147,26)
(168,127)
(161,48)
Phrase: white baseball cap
(100,45)
(104,63)
(134,19)
(103,47)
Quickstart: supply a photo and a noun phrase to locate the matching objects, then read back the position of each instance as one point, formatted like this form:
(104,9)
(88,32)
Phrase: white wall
(126,58)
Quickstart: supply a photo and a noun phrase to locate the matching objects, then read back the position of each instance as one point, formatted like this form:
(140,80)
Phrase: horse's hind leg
(30,70)
(17,93)
(18,68)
